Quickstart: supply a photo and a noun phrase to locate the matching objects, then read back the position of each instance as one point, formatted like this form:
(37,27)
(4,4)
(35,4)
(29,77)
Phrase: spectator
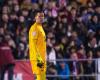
(63,69)
(1,30)
(72,16)
(13,24)
(76,39)
(89,68)
(90,53)
(5,9)
(94,24)
(98,52)
(64,46)
(97,11)
(4,20)
(26,4)
(58,51)
(81,53)
(21,51)
(51,70)
(12,44)
(80,28)
(93,45)
(76,67)
(51,55)
(6,61)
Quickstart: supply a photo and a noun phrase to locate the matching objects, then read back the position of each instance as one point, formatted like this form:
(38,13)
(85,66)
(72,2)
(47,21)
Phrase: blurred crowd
(72,29)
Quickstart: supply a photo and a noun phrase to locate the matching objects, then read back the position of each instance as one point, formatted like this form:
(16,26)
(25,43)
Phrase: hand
(40,63)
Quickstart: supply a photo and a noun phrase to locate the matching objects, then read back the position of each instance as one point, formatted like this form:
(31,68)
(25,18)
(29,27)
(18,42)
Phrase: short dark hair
(38,11)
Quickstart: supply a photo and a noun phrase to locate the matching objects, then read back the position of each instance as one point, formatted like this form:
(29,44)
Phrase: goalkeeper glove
(40,63)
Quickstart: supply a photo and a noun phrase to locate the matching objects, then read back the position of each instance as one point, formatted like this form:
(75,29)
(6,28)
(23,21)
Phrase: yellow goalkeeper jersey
(37,46)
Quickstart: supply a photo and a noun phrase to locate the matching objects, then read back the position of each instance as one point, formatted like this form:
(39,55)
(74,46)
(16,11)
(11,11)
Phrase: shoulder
(33,27)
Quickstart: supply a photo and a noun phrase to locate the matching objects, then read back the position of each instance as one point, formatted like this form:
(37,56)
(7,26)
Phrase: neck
(39,23)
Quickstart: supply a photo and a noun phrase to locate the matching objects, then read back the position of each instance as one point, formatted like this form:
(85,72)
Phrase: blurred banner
(22,71)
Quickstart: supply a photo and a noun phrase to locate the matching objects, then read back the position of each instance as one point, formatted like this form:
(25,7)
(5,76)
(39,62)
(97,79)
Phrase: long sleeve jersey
(37,45)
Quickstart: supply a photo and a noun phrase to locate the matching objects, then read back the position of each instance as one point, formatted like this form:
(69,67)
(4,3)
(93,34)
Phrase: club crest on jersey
(34,33)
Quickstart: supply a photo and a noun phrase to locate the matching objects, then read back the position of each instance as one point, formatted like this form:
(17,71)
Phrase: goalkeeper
(37,47)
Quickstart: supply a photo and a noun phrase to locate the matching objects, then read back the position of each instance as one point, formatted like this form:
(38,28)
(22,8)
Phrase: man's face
(1,31)
(74,56)
(39,17)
